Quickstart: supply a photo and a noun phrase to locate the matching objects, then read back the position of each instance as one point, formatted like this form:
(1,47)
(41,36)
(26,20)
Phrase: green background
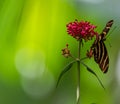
(32,34)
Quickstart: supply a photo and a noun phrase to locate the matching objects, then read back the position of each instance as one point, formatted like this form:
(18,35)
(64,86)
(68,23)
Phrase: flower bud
(66,52)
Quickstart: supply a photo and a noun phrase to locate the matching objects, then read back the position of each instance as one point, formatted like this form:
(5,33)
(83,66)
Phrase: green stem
(78,69)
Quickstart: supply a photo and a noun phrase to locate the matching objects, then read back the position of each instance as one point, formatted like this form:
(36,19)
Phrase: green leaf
(91,71)
(66,68)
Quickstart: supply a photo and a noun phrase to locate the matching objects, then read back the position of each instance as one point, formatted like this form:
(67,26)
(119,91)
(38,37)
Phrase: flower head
(81,30)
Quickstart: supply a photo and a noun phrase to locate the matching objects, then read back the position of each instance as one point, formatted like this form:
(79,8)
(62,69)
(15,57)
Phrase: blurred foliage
(32,34)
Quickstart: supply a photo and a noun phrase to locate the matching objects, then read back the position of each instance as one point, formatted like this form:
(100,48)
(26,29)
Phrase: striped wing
(105,31)
(99,48)
(101,56)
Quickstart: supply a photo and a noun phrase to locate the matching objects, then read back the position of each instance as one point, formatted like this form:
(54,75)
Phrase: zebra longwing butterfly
(98,49)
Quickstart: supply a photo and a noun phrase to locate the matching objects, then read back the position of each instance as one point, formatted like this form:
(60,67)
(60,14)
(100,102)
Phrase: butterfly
(99,50)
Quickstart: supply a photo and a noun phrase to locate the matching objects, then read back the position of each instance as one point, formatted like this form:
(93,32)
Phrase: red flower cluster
(81,30)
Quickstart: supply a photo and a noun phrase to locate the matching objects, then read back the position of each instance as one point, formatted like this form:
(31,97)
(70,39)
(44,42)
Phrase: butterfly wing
(101,56)
(106,30)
